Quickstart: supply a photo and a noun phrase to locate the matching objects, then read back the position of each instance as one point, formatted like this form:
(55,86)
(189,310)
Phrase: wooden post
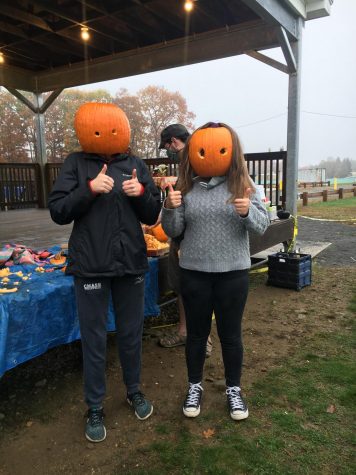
(341,193)
(305,198)
(355,191)
(325,195)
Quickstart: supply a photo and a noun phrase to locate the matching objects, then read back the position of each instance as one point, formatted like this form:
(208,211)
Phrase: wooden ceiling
(43,49)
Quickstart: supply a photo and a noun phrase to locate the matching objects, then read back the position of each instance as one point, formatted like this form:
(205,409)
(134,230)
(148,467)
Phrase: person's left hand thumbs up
(133,187)
(242,205)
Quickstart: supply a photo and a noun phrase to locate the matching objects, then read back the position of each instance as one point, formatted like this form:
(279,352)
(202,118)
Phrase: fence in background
(266,169)
(325,193)
(21,184)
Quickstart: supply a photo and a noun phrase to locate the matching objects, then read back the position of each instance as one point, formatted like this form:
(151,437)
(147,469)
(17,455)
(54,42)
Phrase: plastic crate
(289,269)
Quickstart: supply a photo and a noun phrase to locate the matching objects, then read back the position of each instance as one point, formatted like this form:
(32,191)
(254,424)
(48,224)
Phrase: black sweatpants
(92,295)
(225,294)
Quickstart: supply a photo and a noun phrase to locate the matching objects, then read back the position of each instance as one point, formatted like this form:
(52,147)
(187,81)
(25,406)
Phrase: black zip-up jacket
(107,238)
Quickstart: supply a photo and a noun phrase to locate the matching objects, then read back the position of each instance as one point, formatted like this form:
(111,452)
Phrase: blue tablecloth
(42,313)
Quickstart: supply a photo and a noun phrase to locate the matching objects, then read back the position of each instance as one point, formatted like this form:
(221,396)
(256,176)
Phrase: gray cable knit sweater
(215,236)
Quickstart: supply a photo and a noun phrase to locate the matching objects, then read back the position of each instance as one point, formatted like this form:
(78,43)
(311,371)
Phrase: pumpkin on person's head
(210,151)
(102,128)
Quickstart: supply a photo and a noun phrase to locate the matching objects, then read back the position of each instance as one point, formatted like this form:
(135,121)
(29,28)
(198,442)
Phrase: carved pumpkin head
(102,128)
(210,151)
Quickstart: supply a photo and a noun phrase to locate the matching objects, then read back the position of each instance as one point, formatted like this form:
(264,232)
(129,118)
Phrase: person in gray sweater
(216,205)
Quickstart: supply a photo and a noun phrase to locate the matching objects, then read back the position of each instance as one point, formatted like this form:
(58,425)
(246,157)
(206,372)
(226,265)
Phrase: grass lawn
(341,210)
(336,209)
(301,421)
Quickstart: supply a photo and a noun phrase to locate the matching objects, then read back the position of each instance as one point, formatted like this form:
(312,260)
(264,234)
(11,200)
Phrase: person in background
(107,193)
(173,140)
(216,205)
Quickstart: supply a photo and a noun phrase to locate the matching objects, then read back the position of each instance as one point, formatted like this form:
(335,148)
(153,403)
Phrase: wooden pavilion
(42,50)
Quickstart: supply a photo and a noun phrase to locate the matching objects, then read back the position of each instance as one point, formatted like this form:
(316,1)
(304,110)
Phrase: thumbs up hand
(133,187)
(102,183)
(242,205)
(174,198)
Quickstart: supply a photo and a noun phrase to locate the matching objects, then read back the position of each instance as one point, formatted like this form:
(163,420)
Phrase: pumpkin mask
(210,151)
(102,128)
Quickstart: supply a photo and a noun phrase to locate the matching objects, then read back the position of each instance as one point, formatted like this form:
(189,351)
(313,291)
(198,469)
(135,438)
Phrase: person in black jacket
(107,196)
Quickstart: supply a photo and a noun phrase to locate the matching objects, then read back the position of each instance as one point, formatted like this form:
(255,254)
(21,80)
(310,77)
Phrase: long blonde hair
(237,176)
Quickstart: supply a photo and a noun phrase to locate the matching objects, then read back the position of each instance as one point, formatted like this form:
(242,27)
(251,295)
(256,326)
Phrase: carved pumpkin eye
(114,131)
(97,134)
(223,151)
(201,153)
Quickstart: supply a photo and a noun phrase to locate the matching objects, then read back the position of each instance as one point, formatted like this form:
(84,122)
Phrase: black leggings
(225,294)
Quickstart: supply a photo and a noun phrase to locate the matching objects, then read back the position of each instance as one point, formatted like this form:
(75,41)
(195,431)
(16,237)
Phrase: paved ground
(341,252)
(34,228)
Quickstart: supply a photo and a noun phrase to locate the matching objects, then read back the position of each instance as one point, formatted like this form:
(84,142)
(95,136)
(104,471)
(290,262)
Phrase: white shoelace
(193,394)
(235,400)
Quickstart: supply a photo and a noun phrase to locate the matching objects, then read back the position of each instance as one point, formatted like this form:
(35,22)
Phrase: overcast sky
(252,97)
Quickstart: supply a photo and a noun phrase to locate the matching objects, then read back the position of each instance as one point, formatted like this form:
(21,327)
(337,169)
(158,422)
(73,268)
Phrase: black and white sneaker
(237,406)
(191,406)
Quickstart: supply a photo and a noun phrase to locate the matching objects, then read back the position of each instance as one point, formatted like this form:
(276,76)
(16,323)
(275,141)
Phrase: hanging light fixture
(188,5)
(85,33)
(2,58)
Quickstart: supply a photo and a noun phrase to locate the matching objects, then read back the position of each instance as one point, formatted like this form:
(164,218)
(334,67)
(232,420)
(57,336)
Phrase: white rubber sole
(138,417)
(194,413)
(239,416)
(96,441)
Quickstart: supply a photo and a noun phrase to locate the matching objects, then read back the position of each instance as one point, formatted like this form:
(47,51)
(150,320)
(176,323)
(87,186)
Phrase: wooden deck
(32,227)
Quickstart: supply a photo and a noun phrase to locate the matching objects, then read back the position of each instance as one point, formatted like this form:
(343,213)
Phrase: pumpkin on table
(102,128)
(159,234)
(210,151)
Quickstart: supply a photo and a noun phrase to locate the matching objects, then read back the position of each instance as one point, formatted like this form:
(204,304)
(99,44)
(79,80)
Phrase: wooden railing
(325,193)
(267,169)
(20,184)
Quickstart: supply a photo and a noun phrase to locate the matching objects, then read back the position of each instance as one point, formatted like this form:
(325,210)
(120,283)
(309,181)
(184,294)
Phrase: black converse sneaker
(191,406)
(237,406)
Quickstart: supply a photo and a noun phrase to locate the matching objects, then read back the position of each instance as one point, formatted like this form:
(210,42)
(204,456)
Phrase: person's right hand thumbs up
(102,183)
(174,198)
(242,205)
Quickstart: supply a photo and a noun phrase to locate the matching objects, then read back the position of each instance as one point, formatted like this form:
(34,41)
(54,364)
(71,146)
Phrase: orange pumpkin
(210,151)
(159,234)
(102,128)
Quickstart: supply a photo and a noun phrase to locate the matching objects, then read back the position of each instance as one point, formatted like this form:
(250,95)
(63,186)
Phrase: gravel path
(342,251)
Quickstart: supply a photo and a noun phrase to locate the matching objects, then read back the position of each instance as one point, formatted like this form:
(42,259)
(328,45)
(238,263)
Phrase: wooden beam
(287,50)
(267,60)
(274,12)
(13,30)
(28,18)
(204,47)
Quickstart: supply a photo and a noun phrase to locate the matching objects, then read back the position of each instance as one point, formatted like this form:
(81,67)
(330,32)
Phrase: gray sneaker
(143,407)
(95,430)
